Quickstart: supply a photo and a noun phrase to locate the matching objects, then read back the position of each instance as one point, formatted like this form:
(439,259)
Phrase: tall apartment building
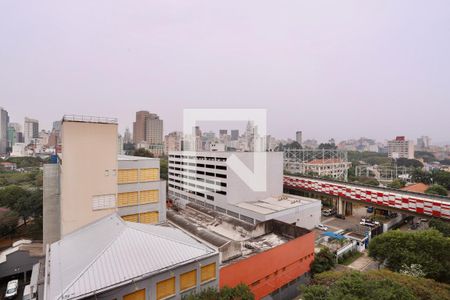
(141,194)
(148,132)
(400,148)
(4,121)
(298,137)
(206,179)
(30,130)
(91,181)
(139,126)
(173,142)
(424,142)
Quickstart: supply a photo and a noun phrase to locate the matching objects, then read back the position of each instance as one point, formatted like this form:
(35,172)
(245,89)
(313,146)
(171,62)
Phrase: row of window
(191,191)
(198,157)
(135,198)
(218,175)
(166,288)
(137,175)
(199,187)
(150,217)
(216,182)
(198,165)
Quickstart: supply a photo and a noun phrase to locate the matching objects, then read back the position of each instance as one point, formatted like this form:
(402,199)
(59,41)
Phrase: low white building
(206,178)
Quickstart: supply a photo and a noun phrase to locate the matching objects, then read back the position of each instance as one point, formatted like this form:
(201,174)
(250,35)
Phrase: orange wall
(267,271)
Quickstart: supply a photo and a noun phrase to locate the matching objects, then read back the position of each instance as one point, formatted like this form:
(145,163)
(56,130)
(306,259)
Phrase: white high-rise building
(4,121)
(30,130)
(400,148)
(207,179)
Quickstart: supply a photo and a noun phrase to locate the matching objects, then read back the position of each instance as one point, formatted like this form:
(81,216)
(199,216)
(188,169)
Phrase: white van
(27,293)
(11,289)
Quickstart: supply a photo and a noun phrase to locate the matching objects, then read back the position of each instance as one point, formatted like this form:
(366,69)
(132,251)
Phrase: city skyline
(351,70)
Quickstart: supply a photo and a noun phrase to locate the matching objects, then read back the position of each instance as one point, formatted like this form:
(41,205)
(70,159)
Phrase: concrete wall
(51,205)
(88,169)
(149,284)
(267,271)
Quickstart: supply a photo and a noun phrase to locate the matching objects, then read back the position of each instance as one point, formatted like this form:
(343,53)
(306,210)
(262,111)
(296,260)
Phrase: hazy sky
(337,69)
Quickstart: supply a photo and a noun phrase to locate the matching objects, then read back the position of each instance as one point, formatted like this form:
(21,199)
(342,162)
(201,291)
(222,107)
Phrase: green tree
(239,292)
(442,178)
(327,146)
(421,176)
(427,249)
(368,181)
(436,189)
(323,261)
(396,184)
(26,203)
(375,284)
(163,167)
(441,226)
(142,152)
(8,223)
(406,162)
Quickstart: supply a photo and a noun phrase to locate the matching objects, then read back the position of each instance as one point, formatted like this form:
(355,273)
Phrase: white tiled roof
(111,252)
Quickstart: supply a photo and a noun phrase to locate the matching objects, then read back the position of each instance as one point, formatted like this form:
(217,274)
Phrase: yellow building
(141,193)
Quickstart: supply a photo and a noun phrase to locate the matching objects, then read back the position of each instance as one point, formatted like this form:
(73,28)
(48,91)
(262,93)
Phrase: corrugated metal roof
(111,252)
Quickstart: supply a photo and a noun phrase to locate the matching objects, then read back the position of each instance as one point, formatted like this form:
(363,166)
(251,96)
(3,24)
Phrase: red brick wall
(267,271)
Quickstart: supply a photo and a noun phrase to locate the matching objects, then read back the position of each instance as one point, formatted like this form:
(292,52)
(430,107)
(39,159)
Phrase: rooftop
(114,253)
(233,238)
(134,158)
(90,119)
(275,204)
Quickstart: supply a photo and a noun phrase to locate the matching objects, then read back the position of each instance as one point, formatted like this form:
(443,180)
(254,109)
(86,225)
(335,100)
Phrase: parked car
(328,212)
(339,216)
(369,222)
(322,227)
(11,289)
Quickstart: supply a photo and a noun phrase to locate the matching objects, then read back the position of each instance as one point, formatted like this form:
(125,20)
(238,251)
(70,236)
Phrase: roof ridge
(94,260)
(170,239)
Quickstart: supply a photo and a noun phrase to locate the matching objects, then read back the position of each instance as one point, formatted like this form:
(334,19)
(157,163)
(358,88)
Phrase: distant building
(148,131)
(30,130)
(173,142)
(18,150)
(114,259)
(127,138)
(310,144)
(400,148)
(4,121)
(139,126)
(298,137)
(206,179)
(223,132)
(234,134)
(424,143)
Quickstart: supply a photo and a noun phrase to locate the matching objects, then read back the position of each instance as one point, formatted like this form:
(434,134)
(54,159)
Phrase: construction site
(330,163)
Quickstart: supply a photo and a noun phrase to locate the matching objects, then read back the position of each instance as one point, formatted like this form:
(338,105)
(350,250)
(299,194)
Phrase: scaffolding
(331,163)
(384,173)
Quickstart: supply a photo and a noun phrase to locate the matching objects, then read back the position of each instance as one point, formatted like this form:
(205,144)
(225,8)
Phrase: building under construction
(317,162)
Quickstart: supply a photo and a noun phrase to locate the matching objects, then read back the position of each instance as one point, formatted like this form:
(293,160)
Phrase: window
(188,280)
(103,202)
(208,272)
(150,196)
(165,288)
(126,199)
(151,217)
(131,218)
(127,176)
(150,174)
(138,295)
